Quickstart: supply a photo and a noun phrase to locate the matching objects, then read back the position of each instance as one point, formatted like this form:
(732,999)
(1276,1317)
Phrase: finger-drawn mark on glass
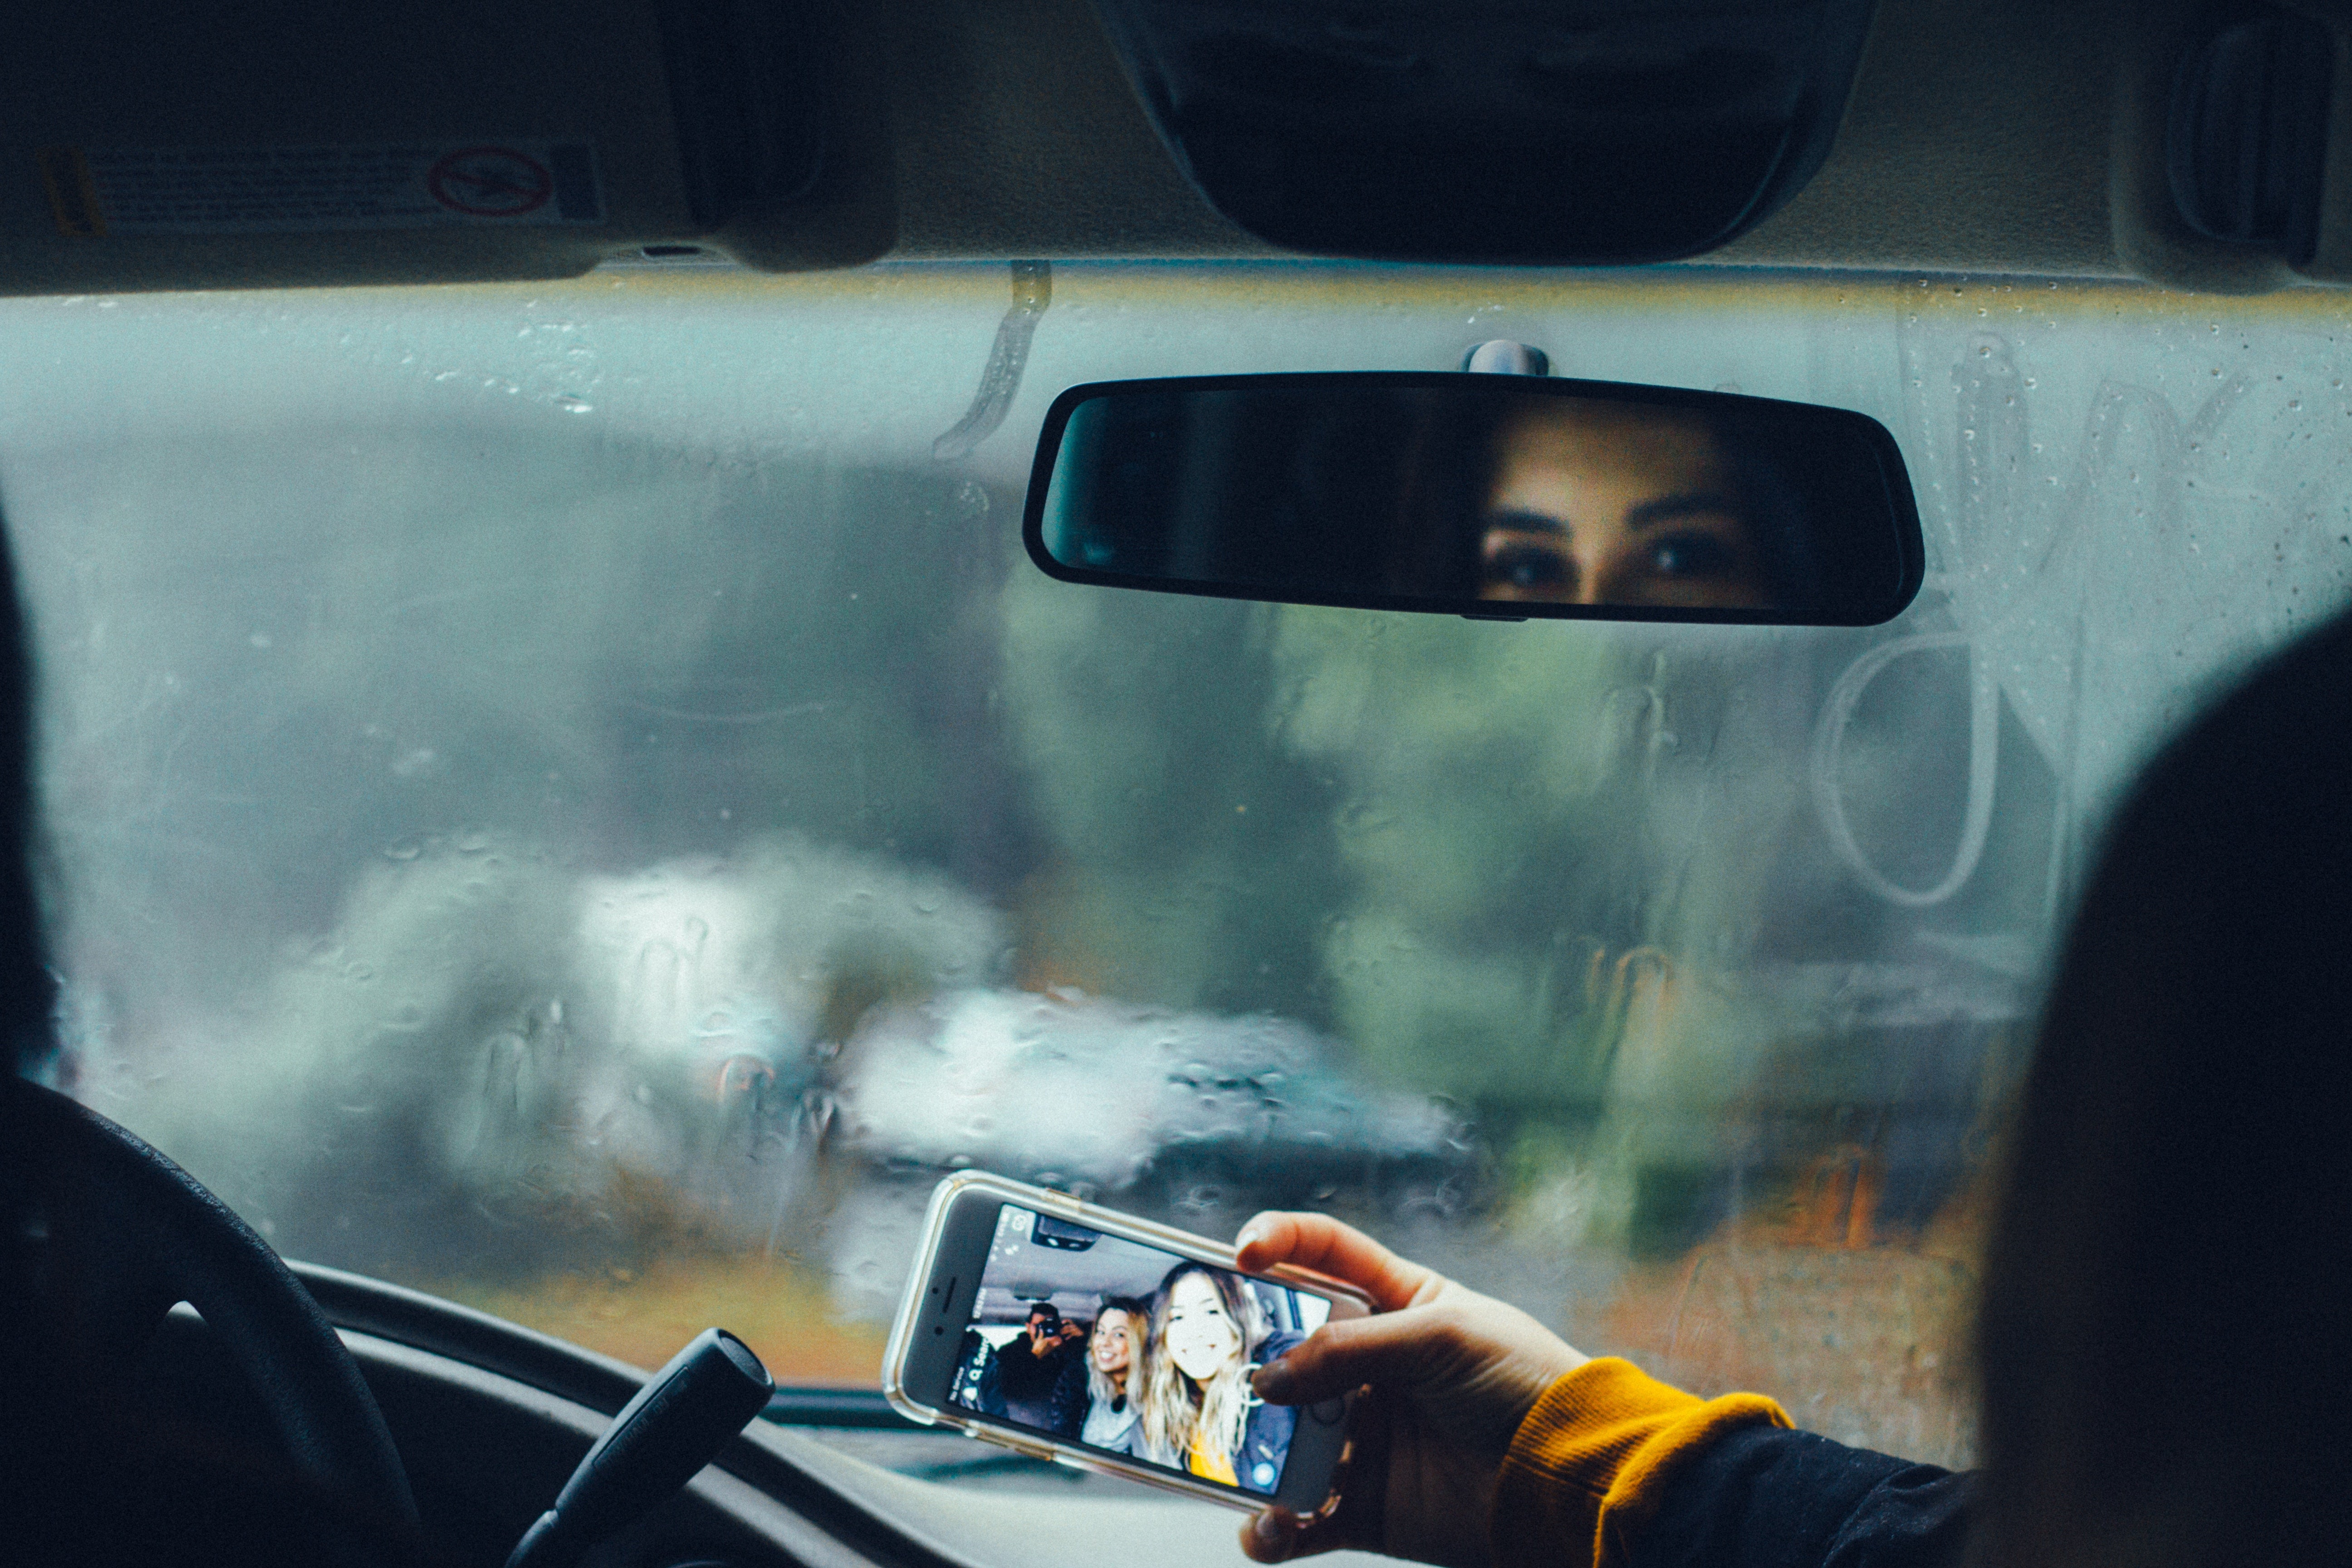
(1642,984)
(1033,291)
(1984,753)
(1633,723)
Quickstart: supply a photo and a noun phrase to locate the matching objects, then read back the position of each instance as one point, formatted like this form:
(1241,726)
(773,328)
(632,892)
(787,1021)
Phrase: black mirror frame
(1902,506)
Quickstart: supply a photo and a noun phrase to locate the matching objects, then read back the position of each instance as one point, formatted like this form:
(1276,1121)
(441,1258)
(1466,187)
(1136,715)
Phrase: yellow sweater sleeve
(1590,1459)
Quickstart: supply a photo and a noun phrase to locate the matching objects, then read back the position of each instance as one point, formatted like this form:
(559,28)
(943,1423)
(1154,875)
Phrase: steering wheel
(114,1235)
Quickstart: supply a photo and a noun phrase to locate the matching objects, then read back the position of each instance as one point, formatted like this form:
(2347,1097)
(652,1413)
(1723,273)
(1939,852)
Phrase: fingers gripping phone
(1071,1333)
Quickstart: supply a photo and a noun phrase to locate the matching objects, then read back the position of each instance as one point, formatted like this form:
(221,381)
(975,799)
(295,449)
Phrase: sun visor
(2233,146)
(1586,132)
(271,143)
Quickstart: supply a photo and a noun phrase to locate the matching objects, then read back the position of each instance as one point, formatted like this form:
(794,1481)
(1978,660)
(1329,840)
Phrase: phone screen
(1130,1350)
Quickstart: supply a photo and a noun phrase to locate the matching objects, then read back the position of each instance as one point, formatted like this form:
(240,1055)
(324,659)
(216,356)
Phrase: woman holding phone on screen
(1199,1412)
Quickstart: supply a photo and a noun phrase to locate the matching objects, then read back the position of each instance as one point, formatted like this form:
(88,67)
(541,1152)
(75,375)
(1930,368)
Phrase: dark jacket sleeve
(988,1392)
(1065,1407)
(1266,1441)
(1762,1497)
(1614,1470)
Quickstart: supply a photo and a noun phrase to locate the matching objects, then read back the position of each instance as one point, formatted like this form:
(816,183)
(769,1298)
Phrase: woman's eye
(1691,555)
(1527,567)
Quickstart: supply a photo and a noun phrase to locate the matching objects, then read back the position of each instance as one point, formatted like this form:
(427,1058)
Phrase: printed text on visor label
(98,191)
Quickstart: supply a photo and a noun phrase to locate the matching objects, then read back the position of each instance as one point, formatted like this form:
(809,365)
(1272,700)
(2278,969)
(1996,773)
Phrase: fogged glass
(1456,493)
(571,797)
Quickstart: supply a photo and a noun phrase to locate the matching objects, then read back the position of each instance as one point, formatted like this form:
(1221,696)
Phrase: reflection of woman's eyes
(1691,555)
(1527,567)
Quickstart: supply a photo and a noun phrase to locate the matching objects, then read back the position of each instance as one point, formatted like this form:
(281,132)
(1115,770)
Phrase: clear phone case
(1061,1205)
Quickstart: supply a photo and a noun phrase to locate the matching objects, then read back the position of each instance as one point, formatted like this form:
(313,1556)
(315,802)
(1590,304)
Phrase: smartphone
(1071,1333)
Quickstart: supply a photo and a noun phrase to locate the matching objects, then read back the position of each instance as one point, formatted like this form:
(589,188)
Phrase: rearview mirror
(1494,496)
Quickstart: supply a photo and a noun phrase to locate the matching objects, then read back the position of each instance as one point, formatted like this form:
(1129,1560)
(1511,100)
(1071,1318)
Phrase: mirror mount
(1501,357)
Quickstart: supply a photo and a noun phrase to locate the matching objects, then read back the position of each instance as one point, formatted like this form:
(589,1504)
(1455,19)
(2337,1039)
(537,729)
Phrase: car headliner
(1976,140)
(1990,137)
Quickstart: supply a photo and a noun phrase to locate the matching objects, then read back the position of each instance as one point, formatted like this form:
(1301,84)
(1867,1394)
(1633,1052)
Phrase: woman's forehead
(1578,420)
(1570,442)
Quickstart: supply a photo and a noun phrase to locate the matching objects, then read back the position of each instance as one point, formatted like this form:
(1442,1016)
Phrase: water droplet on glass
(573,403)
(404,849)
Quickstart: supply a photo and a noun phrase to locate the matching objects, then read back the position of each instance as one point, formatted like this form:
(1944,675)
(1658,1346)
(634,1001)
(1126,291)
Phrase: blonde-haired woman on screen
(1199,1413)
(1115,1357)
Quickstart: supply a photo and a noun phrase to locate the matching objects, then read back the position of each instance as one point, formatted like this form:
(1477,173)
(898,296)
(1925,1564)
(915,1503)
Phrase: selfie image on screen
(1129,1350)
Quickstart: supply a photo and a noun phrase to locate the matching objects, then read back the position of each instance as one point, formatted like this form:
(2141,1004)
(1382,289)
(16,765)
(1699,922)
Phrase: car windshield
(571,796)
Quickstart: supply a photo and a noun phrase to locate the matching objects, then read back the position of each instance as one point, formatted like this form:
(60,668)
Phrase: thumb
(1392,1349)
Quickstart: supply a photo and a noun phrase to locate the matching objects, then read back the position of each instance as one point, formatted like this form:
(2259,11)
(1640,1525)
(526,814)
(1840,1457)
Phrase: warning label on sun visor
(97,192)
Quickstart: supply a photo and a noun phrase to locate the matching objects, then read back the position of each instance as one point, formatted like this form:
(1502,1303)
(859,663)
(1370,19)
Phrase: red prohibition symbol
(490,181)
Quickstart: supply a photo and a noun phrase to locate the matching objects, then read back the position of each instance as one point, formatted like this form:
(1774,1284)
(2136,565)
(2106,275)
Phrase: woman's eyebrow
(1693,504)
(1519,521)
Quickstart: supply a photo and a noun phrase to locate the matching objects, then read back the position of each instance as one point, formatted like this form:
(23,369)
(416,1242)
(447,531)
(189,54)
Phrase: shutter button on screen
(1329,1412)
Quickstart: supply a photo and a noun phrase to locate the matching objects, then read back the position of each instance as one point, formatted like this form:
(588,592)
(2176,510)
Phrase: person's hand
(1448,1376)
